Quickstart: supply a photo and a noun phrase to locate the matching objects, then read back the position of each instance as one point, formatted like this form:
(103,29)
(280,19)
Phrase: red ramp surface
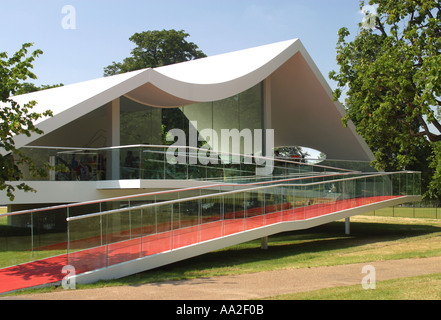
(49,271)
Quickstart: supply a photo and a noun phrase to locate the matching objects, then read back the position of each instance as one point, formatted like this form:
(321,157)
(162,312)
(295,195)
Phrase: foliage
(391,78)
(16,119)
(28,87)
(154,49)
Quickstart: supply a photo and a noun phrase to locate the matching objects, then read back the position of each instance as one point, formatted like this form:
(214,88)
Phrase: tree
(16,119)
(28,87)
(154,49)
(391,76)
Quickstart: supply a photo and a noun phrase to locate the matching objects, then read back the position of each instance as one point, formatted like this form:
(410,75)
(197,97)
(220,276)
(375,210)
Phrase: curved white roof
(297,88)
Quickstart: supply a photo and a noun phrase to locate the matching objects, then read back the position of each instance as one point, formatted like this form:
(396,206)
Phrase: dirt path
(252,286)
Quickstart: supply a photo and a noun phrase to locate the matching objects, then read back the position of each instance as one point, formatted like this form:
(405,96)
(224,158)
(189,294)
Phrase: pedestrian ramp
(118,237)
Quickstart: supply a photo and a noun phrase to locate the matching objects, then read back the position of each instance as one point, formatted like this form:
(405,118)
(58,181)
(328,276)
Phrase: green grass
(371,239)
(427,287)
(408,212)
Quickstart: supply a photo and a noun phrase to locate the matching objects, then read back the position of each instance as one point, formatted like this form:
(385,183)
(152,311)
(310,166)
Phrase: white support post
(348,226)
(113,135)
(264,244)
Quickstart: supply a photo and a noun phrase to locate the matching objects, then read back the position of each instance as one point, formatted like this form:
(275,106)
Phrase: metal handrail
(168,202)
(64,206)
(189,148)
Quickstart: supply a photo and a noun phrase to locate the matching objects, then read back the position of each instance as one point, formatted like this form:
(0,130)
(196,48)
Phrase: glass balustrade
(160,162)
(102,233)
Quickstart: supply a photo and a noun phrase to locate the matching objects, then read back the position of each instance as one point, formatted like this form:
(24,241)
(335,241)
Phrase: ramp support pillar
(348,226)
(264,244)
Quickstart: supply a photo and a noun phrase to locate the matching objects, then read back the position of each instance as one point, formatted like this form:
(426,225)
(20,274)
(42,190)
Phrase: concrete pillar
(264,243)
(348,226)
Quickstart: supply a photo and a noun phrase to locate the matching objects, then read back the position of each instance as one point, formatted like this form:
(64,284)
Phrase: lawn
(371,239)
(427,287)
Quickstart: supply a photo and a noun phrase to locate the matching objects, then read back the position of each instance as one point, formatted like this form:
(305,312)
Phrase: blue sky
(103,28)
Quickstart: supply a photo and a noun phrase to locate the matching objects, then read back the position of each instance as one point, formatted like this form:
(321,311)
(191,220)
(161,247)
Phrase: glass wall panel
(251,110)
(226,117)
(202,116)
(90,130)
(139,123)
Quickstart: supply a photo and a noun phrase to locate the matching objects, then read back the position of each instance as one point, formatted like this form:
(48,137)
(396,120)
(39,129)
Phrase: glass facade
(141,124)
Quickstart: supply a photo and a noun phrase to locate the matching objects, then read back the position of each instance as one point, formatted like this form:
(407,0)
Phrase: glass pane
(311,201)
(225,116)
(152,163)
(186,220)
(130,163)
(49,233)
(254,209)
(211,214)
(233,213)
(251,111)
(136,122)
(15,240)
(86,248)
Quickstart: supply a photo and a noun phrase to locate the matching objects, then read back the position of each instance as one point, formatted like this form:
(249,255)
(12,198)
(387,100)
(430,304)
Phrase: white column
(267,124)
(113,157)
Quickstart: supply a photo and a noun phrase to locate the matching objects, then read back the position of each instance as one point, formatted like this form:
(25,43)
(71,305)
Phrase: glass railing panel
(234,213)
(16,245)
(287,199)
(196,215)
(248,169)
(395,181)
(130,163)
(369,189)
(270,198)
(359,192)
(120,240)
(232,170)
(87,248)
(403,183)
(325,202)
(413,187)
(387,185)
(311,200)
(211,214)
(149,230)
(292,169)
(153,163)
(350,192)
(254,209)
(300,203)
(187,214)
(49,236)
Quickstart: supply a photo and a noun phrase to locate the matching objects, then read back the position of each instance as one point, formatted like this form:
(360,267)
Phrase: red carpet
(50,270)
